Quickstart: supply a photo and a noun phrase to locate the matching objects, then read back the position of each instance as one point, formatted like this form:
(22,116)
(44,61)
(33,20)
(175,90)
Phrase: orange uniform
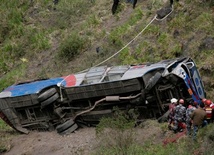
(209,110)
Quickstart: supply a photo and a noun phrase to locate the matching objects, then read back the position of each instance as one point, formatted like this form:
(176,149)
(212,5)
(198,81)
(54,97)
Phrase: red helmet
(181,101)
(208,102)
(203,100)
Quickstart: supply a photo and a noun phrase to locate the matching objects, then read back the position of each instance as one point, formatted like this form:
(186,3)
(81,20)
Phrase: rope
(155,18)
(127,43)
(60,83)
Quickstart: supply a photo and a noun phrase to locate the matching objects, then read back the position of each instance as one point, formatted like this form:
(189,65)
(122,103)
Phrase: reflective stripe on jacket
(208,112)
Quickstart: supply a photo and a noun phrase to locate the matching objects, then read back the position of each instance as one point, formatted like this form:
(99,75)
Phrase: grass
(72,46)
(115,133)
(13,76)
(6,134)
(31,34)
(118,137)
(135,17)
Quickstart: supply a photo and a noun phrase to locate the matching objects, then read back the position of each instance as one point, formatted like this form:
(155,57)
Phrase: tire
(49,100)
(69,130)
(153,80)
(47,94)
(64,126)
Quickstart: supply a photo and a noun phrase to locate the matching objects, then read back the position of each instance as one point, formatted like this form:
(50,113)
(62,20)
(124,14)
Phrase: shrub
(7,133)
(71,47)
(116,134)
(206,135)
(39,41)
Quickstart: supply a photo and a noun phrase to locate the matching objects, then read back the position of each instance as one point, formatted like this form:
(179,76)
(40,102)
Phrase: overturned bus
(64,103)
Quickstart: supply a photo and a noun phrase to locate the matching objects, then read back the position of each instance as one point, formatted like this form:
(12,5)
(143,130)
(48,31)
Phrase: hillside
(41,40)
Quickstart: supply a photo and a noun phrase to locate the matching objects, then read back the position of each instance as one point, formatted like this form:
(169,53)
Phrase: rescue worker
(116,3)
(198,116)
(192,106)
(171,113)
(55,2)
(203,100)
(114,6)
(134,2)
(212,106)
(180,113)
(208,110)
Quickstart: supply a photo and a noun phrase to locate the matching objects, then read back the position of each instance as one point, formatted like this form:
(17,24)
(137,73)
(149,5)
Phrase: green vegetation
(6,133)
(116,134)
(119,138)
(71,30)
(13,76)
(72,46)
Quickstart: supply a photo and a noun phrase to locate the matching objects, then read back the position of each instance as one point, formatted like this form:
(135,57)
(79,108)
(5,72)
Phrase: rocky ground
(83,141)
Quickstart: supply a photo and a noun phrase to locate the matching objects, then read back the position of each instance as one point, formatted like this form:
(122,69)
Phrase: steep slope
(39,39)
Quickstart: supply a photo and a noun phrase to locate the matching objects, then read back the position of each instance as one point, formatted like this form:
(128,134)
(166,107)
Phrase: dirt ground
(82,142)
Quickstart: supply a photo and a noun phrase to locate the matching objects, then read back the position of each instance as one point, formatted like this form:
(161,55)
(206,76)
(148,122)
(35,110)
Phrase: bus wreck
(64,103)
